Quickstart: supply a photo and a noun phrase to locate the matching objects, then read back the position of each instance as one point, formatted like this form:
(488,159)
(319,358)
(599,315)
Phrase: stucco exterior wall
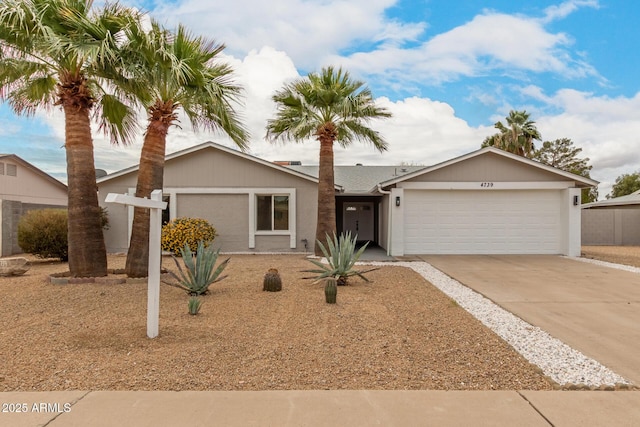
(23,187)
(228,213)
(616,226)
(116,238)
(221,187)
(29,186)
(383,234)
(489,167)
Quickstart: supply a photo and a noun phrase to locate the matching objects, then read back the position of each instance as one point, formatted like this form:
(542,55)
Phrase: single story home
(612,222)
(24,187)
(485,202)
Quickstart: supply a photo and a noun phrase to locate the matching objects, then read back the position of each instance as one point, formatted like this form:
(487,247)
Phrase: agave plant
(341,256)
(194,305)
(201,271)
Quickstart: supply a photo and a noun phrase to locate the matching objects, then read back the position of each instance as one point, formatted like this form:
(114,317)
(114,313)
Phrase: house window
(12,170)
(273,213)
(1,168)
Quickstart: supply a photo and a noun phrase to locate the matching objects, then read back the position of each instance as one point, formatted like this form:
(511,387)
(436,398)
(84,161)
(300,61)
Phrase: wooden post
(156,205)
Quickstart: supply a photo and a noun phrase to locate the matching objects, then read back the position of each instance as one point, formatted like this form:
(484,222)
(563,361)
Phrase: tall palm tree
(169,72)
(50,50)
(517,136)
(331,107)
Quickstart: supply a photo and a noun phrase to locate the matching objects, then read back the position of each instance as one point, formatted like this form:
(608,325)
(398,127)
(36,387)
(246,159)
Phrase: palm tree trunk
(150,177)
(87,252)
(326,225)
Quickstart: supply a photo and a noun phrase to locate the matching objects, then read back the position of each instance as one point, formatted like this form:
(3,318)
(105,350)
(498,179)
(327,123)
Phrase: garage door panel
(459,222)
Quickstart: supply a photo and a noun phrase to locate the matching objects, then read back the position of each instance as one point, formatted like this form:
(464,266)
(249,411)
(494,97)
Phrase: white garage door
(482,222)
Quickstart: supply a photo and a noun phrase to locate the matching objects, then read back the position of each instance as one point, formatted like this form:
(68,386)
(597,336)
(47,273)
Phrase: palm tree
(517,136)
(50,51)
(167,73)
(331,107)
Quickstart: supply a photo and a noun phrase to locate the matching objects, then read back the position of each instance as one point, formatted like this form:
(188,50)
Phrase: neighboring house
(488,201)
(24,187)
(612,222)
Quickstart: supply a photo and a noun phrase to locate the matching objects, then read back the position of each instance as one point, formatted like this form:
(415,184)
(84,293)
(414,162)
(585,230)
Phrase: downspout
(381,191)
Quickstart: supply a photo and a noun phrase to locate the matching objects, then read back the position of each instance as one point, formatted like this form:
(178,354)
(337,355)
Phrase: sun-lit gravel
(557,360)
(398,332)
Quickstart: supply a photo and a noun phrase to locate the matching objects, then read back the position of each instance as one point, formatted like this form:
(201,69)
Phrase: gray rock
(13,266)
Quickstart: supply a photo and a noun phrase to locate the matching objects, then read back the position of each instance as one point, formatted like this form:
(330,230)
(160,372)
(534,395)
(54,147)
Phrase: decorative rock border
(565,366)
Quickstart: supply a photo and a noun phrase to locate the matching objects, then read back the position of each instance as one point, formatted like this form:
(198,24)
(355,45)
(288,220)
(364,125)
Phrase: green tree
(516,136)
(330,107)
(171,72)
(51,54)
(562,154)
(625,184)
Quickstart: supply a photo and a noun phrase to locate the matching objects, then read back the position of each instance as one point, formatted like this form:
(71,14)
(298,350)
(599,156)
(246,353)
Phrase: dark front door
(358,218)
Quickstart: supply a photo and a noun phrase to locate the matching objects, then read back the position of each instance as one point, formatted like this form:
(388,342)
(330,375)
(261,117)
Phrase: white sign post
(156,205)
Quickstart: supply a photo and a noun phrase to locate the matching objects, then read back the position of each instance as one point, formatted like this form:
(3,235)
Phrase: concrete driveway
(591,308)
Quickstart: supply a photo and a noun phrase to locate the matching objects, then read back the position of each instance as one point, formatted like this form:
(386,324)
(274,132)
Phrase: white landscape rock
(16,266)
(557,360)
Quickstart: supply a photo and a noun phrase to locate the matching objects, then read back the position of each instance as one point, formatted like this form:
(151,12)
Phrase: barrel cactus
(272,281)
(330,290)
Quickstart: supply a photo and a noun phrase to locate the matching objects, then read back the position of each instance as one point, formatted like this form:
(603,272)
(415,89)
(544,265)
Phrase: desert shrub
(104,218)
(201,271)
(186,231)
(194,305)
(341,256)
(44,233)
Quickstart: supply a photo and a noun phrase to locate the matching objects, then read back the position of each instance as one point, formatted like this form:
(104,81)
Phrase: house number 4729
(486,184)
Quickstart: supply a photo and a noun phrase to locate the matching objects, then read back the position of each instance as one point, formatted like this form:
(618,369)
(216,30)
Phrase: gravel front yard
(398,332)
(627,255)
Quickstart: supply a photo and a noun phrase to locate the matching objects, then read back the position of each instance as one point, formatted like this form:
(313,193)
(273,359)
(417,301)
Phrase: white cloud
(489,43)
(421,131)
(607,129)
(555,12)
(269,42)
(307,30)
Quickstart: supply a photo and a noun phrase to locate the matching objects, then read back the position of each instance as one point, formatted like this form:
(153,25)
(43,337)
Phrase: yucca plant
(341,256)
(201,271)
(194,305)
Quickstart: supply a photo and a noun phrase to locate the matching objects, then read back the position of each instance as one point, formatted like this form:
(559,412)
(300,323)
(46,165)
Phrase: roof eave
(210,144)
(36,170)
(586,182)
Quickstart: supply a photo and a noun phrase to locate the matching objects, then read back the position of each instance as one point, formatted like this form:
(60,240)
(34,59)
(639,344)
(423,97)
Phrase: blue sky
(446,70)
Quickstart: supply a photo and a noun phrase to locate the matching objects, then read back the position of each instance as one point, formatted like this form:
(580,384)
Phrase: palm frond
(331,96)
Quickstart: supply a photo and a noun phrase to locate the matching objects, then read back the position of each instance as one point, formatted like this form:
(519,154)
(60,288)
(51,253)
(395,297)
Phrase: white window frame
(273,231)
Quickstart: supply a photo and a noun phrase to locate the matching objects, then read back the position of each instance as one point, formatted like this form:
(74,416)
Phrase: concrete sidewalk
(322,408)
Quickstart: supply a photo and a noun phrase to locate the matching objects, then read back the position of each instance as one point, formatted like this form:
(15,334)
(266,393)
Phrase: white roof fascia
(606,203)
